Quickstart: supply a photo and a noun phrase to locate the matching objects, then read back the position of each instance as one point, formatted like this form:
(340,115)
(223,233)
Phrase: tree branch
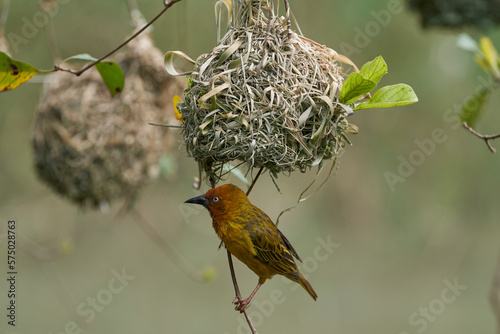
(167,3)
(486,138)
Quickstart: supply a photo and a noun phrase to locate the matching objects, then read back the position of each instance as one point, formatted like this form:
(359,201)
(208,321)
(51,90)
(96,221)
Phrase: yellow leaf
(490,55)
(178,115)
(13,72)
(481,63)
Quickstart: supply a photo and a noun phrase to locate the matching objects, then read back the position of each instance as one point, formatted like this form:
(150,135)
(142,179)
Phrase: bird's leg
(242,304)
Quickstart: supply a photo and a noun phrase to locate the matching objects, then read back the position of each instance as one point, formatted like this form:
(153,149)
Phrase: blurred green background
(393,250)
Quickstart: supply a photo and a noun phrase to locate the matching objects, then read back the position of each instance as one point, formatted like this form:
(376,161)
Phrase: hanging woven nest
(93,148)
(265,96)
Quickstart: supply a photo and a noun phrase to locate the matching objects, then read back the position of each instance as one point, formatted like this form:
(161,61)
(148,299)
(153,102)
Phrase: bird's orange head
(223,201)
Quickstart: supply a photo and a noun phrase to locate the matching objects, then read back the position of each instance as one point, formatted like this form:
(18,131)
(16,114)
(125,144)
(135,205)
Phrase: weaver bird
(250,235)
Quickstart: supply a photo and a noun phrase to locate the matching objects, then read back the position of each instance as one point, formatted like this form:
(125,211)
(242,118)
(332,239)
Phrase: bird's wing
(289,246)
(271,247)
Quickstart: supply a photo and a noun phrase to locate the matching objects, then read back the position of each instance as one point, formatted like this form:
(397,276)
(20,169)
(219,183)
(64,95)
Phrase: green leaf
(473,108)
(374,70)
(112,75)
(110,72)
(13,72)
(354,87)
(390,96)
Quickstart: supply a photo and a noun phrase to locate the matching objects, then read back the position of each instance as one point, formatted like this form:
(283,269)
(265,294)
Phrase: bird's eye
(215,199)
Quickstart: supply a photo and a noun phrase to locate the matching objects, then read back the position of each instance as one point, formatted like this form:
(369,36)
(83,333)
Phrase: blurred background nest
(93,148)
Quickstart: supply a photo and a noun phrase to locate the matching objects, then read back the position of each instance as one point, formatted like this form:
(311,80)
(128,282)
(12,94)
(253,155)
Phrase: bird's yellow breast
(238,243)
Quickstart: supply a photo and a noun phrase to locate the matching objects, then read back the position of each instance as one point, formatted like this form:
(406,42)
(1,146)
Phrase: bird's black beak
(198,200)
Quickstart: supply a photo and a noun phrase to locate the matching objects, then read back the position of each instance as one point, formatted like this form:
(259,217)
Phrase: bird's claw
(241,304)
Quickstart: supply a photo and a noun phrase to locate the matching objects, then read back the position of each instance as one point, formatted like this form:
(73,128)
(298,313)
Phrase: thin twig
(233,275)
(255,180)
(495,295)
(166,125)
(168,4)
(237,291)
(486,138)
(172,254)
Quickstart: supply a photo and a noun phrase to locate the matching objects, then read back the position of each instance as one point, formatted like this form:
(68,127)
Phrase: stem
(237,291)
(168,4)
(186,267)
(166,125)
(255,180)
(486,138)
(233,275)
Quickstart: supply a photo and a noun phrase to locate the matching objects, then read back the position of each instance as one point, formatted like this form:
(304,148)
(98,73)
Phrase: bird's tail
(305,284)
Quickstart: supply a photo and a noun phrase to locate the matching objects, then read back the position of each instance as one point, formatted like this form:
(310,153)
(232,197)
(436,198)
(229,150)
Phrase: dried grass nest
(282,115)
(93,148)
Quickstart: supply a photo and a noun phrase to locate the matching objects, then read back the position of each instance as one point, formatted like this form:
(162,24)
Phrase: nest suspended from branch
(93,148)
(265,96)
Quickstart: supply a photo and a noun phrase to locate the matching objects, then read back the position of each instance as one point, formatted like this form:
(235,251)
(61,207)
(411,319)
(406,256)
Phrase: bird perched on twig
(250,235)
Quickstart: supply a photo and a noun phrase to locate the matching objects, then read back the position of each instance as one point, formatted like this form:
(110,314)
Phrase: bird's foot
(241,304)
